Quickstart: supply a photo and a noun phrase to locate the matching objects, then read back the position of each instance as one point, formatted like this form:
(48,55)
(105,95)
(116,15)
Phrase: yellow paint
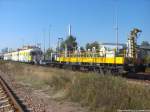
(73,59)
(113,60)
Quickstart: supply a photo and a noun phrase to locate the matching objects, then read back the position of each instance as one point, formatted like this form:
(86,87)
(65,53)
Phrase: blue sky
(25,21)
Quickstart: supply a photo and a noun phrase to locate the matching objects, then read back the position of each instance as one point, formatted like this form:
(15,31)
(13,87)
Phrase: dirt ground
(39,100)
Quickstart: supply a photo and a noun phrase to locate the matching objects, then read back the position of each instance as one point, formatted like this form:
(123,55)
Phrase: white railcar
(30,55)
(7,56)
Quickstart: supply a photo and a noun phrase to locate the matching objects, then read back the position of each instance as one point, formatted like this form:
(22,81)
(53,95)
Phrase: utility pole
(117,34)
(22,42)
(59,44)
(49,35)
(44,42)
(116,26)
(69,32)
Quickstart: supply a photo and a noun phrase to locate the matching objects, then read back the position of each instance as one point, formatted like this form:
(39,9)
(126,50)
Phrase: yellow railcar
(97,60)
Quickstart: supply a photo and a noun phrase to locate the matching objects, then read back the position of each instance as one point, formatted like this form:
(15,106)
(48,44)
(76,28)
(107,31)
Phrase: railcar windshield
(33,53)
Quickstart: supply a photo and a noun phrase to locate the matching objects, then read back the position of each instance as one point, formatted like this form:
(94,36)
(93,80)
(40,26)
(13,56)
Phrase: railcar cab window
(33,53)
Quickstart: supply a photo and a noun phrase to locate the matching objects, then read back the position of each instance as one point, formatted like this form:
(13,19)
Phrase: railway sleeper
(7,108)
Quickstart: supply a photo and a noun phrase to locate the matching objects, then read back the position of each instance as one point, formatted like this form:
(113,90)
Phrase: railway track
(139,76)
(8,100)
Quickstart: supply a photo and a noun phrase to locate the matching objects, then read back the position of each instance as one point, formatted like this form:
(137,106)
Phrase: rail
(8,101)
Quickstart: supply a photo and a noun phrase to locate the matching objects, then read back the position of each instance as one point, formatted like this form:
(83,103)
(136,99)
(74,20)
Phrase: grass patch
(98,92)
(148,69)
(108,93)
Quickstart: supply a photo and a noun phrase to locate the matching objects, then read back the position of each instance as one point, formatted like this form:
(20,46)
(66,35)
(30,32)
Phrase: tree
(145,44)
(88,46)
(5,50)
(70,43)
(82,48)
(145,53)
(91,45)
(48,53)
